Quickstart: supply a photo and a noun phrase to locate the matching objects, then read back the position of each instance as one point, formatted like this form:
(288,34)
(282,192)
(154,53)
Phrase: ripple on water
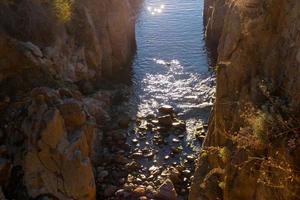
(188,92)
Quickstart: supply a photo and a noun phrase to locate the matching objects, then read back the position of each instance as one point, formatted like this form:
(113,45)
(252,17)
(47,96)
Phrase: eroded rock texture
(59,141)
(250,150)
(214,13)
(74,40)
(50,53)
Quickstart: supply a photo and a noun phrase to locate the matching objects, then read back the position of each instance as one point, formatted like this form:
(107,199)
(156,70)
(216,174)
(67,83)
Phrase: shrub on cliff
(63,9)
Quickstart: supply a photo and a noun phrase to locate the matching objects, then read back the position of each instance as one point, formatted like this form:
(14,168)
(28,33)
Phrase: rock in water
(166,109)
(166,191)
(165,120)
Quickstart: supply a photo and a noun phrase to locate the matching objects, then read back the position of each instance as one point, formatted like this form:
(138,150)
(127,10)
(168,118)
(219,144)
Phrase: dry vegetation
(265,152)
(63,9)
(271,138)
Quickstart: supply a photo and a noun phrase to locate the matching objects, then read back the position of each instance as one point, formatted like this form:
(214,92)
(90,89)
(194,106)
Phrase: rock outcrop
(213,17)
(50,53)
(74,40)
(250,150)
(59,146)
(53,141)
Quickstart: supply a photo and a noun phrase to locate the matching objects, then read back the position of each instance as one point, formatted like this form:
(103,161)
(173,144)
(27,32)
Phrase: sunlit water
(171,65)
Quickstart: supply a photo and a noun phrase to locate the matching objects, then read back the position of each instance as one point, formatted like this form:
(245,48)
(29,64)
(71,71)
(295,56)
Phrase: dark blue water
(171,65)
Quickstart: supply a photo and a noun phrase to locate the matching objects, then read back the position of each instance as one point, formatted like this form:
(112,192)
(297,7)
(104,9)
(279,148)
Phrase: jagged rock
(95,108)
(166,191)
(57,161)
(73,114)
(245,40)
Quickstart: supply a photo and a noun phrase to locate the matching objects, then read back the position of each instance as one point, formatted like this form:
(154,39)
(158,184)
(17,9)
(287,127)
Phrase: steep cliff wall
(213,18)
(49,132)
(250,150)
(74,40)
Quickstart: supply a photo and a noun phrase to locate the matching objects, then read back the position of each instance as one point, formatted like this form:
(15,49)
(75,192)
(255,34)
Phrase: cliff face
(49,131)
(213,18)
(73,40)
(250,150)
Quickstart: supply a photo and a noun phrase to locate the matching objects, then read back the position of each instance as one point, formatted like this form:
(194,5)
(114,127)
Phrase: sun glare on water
(156,10)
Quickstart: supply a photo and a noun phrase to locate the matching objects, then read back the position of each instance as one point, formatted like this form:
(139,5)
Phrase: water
(171,65)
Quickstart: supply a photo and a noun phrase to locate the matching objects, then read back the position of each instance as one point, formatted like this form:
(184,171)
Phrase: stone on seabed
(166,191)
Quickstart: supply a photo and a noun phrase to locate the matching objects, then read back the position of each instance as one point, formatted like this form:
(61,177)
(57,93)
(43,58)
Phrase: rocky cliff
(74,40)
(50,53)
(251,149)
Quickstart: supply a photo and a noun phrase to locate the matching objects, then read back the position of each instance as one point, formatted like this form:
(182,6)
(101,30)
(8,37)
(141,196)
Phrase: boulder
(166,191)
(165,120)
(166,109)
